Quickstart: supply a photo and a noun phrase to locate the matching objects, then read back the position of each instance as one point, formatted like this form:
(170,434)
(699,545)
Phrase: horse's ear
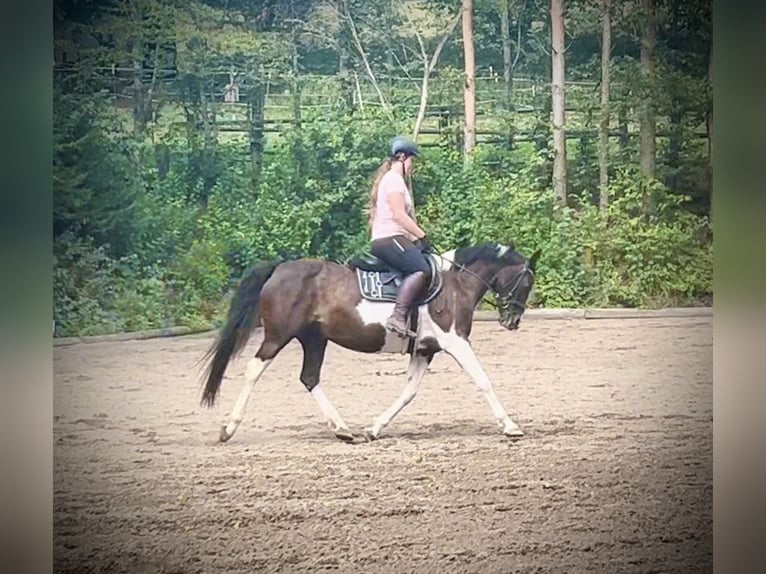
(534,258)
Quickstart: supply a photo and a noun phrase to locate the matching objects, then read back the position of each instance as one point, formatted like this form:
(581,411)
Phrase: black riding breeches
(400,253)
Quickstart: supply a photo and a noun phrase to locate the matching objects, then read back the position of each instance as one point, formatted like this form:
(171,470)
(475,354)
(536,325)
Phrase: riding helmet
(401,144)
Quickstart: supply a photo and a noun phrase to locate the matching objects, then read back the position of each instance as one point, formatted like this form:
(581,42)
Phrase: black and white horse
(316,301)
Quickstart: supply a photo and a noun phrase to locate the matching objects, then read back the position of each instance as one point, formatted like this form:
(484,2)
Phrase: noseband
(510,300)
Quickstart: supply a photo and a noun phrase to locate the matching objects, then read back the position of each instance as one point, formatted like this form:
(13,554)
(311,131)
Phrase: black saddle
(380,282)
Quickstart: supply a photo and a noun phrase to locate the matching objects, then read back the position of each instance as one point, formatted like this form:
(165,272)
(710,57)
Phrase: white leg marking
(328,410)
(253,371)
(459,349)
(417,369)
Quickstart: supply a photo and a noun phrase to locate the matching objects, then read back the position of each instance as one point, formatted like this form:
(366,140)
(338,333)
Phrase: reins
(464,268)
(505,301)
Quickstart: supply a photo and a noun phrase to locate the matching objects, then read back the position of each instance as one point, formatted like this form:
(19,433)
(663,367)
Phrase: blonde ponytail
(379,173)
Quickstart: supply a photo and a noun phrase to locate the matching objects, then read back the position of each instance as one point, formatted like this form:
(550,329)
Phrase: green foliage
(156,213)
(94,293)
(186,255)
(94,175)
(621,258)
(664,257)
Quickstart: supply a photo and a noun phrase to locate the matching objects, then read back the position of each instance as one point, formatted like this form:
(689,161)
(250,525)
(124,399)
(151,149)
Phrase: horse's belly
(363,329)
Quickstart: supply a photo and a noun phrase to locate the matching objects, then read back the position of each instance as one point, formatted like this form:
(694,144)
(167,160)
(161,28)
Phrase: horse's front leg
(415,372)
(460,350)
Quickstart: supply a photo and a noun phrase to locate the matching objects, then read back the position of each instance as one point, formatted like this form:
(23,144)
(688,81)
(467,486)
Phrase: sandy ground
(614,475)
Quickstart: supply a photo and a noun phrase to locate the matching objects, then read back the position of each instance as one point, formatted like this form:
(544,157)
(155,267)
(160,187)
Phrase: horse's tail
(242,320)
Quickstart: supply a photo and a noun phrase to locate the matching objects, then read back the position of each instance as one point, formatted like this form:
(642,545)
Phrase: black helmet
(401,144)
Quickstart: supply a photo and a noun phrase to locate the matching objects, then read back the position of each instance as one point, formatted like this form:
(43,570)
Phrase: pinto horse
(316,301)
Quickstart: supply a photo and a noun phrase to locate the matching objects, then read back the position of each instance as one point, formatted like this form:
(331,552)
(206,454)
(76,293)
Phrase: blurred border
(740,267)
(26,411)
(739,220)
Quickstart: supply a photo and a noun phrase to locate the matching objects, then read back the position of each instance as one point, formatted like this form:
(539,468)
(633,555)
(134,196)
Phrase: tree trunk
(428,67)
(149,107)
(209,143)
(622,128)
(709,118)
(603,132)
(365,61)
(648,144)
(558,102)
(469,97)
(423,97)
(346,86)
(505,32)
(295,84)
(139,103)
(676,115)
(297,143)
(389,8)
(296,89)
(257,104)
(675,141)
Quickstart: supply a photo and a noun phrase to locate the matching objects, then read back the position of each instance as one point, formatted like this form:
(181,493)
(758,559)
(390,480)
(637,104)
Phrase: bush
(185,252)
(94,293)
(629,256)
(650,257)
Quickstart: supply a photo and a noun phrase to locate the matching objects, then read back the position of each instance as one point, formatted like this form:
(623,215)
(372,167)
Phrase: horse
(316,301)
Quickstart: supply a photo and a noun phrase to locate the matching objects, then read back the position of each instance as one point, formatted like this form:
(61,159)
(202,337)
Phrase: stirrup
(404,334)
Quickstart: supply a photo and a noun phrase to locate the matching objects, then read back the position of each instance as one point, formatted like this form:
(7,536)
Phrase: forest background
(194,139)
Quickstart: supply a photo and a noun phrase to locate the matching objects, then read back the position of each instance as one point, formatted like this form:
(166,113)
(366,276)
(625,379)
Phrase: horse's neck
(476,279)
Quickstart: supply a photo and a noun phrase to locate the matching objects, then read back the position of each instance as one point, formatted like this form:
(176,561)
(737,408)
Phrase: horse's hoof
(345,435)
(515,432)
(370,436)
(224,436)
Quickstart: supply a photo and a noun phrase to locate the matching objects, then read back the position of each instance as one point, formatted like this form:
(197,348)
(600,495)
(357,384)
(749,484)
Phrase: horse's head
(513,285)
(506,272)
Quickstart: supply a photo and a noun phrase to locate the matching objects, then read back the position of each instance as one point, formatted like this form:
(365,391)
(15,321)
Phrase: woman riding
(397,239)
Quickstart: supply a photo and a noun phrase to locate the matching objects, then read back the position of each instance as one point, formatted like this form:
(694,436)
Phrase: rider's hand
(424,245)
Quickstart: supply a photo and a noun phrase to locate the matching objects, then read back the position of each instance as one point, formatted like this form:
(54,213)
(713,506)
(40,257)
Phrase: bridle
(504,302)
(509,300)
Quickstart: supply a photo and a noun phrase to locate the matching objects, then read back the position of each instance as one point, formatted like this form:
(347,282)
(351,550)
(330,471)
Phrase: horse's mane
(489,251)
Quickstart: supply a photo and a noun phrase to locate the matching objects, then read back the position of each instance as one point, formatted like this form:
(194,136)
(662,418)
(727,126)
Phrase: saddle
(380,282)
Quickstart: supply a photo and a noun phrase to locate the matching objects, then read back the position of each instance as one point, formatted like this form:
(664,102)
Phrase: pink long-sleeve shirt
(384,224)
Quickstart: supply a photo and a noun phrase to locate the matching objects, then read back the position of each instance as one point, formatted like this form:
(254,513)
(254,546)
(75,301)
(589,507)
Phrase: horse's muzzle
(511,322)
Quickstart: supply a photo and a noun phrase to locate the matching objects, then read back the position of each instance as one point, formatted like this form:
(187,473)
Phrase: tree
(94,178)
(509,61)
(558,102)
(505,33)
(428,67)
(603,142)
(709,116)
(469,91)
(647,122)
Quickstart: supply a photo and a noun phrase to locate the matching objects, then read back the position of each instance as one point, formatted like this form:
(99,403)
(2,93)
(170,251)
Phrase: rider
(397,239)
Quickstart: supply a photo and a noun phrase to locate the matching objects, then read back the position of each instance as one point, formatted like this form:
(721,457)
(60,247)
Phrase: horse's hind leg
(255,368)
(314,346)
(415,372)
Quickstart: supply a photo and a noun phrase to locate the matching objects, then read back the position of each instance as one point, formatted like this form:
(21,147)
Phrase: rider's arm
(396,201)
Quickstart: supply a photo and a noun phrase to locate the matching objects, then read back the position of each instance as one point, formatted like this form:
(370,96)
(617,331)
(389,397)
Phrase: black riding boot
(411,287)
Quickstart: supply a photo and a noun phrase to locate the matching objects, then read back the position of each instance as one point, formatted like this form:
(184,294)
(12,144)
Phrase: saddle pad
(378,285)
